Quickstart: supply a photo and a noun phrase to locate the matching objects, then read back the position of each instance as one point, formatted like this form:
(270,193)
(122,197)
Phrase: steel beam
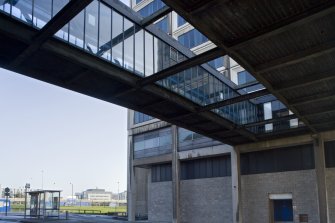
(284,118)
(188,63)
(313,98)
(297,57)
(234,100)
(155,16)
(64,16)
(285,25)
(318,113)
(249,84)
(305,81)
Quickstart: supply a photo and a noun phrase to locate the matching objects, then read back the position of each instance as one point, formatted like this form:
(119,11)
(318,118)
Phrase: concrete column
(175,176)
(131,186)
(236,185)
(320,166)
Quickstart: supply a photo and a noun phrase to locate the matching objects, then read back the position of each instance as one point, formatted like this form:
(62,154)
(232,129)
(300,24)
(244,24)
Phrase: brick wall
(206,200)
(256,189)
(160,201)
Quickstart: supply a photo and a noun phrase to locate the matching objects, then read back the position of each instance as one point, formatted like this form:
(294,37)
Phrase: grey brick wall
(202,200)
(257,187)
(142,176)
(330,177)
(206,200)
(160,201)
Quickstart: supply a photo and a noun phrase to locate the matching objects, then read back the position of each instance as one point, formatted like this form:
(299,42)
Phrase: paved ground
(73,218)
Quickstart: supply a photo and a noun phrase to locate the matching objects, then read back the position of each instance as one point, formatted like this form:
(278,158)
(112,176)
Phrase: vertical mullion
(98,41)
(52,8)
(84,38)
(144,53)
(123,63)
(153,54)
(32,12)
(134,32)
(111,42)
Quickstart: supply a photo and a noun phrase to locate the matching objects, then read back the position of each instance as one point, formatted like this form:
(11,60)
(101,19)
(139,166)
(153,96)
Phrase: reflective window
(161,172)
(278,160)
(163,25)
(139,51)
(56,7)
(161,55)
(22,10)
(217,63)
(140,117)
(91,27)
(151,8)
(117,39)
(128,45)
(77,30)
(197,85)
(206,168)
(245,77)
(5,6)
(105,32)
(330,154)
(153,143)
(192,38)
(188,140)
(42,12)
(149,56)
(180,21)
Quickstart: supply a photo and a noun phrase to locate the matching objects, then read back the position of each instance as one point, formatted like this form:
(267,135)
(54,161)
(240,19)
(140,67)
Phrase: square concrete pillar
(175,176)
(131,186)
(320,166)
(236,185)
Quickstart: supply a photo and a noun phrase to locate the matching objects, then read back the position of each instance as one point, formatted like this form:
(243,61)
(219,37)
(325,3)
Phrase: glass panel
(91,27)
(105,32)
(149,57)
(268,115)
(77,30)
(161,55)
(117,39)
(129,45)
(192,38)
(42,12)
(181,20)
(57,6)
(163,25)
(139,52)
(151,8)
(5,6)
(23,10)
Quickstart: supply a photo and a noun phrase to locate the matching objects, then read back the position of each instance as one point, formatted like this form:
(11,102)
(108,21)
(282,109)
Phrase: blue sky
(70,136)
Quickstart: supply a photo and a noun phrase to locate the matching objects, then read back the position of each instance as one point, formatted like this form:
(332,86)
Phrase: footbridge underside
(50,53)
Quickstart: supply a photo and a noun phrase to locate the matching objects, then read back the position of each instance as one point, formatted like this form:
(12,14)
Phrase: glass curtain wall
(153,143)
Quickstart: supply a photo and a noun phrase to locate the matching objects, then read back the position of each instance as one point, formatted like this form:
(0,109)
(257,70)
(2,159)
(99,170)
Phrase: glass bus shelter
(42,204)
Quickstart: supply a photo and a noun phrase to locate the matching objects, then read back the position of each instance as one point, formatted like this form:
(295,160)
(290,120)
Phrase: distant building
(97,195)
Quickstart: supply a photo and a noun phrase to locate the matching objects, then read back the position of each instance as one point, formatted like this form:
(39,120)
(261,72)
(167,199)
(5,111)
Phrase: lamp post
(118,193)
(26,187)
